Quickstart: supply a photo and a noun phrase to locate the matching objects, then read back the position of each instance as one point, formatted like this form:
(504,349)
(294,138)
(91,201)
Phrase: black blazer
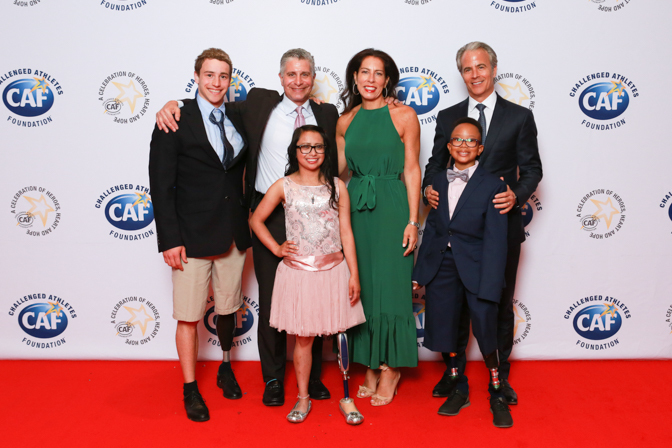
(476,233)
(511,152)
(197,204)
(254,113)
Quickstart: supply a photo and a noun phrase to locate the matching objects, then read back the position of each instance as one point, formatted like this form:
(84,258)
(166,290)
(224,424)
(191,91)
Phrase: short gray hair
(473,46)
(297,53)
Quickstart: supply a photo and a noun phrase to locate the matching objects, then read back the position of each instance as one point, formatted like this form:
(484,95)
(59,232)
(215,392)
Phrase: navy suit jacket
(197,203)
(477,234)
(511,152)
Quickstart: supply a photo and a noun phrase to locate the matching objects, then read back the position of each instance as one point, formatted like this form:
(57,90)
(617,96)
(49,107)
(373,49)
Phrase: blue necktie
(481,119)
(217,118)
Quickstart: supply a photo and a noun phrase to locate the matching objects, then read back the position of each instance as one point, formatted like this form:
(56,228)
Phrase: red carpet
(138,404)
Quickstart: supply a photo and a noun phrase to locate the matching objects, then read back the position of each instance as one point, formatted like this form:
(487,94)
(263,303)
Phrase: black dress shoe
(509,394)
(456,401)
(501,416)
(318,391)
(195,407)
(274,394)
(227,382)
(444,387)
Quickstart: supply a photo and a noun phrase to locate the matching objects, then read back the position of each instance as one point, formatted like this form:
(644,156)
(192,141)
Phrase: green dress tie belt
(363,193)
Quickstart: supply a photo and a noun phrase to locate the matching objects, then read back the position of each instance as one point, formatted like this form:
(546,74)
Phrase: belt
(363,194)
(314,263)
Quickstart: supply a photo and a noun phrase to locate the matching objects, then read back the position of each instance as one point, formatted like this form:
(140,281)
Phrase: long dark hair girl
(327,171)
(350,96)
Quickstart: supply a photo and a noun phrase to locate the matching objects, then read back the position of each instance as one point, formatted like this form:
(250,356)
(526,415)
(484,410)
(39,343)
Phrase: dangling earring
(385,92)
(355,90)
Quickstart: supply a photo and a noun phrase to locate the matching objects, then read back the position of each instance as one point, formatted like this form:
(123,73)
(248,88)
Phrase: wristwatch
(413,223)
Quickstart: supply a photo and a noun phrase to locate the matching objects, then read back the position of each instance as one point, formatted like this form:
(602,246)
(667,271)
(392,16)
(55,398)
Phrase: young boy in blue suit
(461,263)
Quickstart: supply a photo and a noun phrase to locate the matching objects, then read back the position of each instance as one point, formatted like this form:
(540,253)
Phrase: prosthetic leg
(453,366)
(346,404)
(492,363)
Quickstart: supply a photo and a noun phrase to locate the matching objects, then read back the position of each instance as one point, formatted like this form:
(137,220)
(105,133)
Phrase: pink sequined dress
(310,293)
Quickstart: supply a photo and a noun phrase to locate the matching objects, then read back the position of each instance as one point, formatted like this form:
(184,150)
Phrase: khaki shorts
(191,286)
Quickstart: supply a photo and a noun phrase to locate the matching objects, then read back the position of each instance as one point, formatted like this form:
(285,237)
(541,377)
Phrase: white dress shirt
(277,137)
(214,135)
(489,103)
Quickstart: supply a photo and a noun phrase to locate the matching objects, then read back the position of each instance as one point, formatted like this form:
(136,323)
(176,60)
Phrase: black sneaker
(456,401)
(195,406)
(445,386)
(508,392)
(226,381)
(501,416)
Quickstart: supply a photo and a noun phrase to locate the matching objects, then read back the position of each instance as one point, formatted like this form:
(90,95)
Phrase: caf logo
(328,87)
(513,6)
(31,95)
(245,317)
(528,210)
(128,208)
(136,320)
(610,5)
(419,313)
(124,96)
(421,89)
(515,88)
(603,98)
(601,213)
(123,5)
(665,203)
(597,320)
(241,83)
(36,210)
(44,319)
(522,323)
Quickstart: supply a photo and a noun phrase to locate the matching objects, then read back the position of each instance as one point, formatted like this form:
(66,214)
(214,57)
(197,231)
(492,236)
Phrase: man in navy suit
(462,258)
(510,152)
(196,179)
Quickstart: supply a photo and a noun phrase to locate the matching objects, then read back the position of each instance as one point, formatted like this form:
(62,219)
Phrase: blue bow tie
(452,175)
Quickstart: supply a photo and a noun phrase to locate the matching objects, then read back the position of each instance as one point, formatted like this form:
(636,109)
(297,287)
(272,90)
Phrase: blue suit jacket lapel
(494,128)
(473,183)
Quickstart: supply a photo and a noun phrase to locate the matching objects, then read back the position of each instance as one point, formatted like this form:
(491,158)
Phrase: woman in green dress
(378,143)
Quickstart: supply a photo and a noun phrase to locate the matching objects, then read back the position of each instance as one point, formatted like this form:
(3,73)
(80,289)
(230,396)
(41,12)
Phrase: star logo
(519,320)
(41,84)
(323,89)
(610,309)
(127,94)
(514,94)
(428,82)
(55,308)
(605,210)
(139,317)
(235,82)
(618,87)
(39,208)
(143,198)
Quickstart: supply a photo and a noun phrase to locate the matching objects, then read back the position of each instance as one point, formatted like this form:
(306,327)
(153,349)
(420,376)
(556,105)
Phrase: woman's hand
(410,239)
(354,289)
(285,249)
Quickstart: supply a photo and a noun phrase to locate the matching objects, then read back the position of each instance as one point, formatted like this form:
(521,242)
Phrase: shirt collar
(206,107)
(489,102)
(469,170)
(288,107)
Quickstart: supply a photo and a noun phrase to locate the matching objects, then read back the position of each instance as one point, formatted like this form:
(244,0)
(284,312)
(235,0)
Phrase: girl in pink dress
(315,293)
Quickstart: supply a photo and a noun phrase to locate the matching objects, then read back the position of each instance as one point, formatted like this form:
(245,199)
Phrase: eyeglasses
(471,142)
(306,149)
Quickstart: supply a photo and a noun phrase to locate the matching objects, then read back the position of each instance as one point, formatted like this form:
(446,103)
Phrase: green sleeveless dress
(379,206)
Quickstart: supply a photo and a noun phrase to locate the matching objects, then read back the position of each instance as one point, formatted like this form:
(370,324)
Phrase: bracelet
(413,223)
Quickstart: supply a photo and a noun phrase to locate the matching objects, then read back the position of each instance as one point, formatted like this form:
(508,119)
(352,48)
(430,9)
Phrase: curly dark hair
(348,97)
(326,169)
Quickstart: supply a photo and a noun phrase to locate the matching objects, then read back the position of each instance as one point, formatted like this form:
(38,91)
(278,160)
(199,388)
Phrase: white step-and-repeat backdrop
(81,81)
